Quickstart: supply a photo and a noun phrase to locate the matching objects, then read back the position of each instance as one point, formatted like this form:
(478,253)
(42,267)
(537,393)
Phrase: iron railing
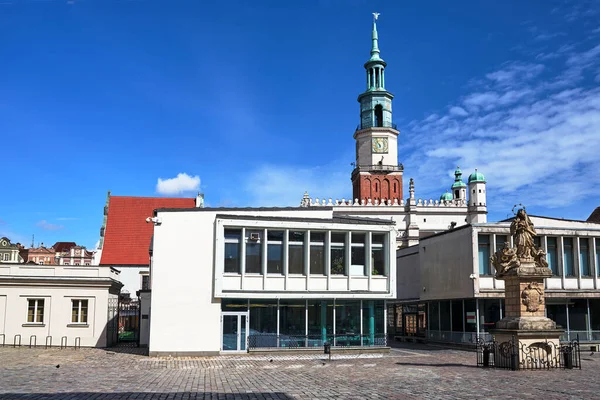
(272,340)
(372,125)
(379,167)
(457,337)
(515,355)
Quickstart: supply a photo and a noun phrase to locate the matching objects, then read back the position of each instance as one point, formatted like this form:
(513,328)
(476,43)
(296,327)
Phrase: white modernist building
(264,278)
(56,304)
(447,290)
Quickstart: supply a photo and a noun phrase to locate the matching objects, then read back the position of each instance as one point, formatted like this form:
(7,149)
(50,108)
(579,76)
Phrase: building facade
(265,278)
(76,255)
(448,292)
(54,305)
(9,252)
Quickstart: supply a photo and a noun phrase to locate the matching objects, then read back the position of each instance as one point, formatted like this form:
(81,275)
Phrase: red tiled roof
(127,236)
(59,247)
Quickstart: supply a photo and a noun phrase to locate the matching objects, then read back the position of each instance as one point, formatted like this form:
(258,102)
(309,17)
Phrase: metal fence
(515,355)
(268,340)
(457,337)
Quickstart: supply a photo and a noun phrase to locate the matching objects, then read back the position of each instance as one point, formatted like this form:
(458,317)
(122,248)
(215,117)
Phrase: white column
(477,316)
(594,261)
(577,260)
(561,259)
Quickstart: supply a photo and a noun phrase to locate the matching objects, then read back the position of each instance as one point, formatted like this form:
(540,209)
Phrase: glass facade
(338,253)
(232,250)
(275,252)
(584,257)
(552,255)
(357,253)
(484,254)
(500,240)
(296,252)
(378,251)
(568,262)
(302,323)
(317,253)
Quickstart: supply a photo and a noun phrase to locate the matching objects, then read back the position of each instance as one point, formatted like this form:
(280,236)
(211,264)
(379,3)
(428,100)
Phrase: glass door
(234,331)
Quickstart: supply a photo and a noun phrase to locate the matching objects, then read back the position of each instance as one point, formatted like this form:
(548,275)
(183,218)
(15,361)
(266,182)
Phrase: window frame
(39,303)
(79,313)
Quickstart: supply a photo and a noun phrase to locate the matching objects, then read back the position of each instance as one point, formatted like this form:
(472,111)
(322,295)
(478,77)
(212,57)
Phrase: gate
(539,355)
(123,326)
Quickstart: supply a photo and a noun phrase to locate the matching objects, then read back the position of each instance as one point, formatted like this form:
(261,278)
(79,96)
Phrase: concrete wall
(131,278)
(447,261)
(408,273)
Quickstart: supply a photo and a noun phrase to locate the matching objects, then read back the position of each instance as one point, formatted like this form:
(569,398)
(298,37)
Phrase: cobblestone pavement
(408,372)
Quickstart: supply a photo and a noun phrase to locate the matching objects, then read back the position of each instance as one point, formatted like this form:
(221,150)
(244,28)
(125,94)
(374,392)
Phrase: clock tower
(377,174)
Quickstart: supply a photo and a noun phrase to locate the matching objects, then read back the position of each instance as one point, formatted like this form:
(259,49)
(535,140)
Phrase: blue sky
(255,101)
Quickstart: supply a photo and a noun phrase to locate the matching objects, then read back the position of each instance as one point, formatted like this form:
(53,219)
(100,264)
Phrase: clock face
(380,145)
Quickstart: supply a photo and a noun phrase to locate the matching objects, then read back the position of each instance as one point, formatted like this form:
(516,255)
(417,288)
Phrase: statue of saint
(523,233)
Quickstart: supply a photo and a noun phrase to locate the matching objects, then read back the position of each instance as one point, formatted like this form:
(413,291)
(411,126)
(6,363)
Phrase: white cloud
(458,111)
(181,183)
(537,142)
(45,225)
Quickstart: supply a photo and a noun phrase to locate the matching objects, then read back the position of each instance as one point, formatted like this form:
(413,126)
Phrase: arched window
(379,115)
(395,187)
(376,186)
(456,194)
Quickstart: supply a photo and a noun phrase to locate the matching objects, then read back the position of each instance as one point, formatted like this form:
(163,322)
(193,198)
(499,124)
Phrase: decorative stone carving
(539,256)
(504,260)
(523,233)
(533,297)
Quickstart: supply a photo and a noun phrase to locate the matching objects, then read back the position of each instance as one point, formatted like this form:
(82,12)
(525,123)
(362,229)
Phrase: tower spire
(375,39)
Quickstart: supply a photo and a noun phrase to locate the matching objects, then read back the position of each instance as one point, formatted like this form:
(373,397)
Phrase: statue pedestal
(534,337)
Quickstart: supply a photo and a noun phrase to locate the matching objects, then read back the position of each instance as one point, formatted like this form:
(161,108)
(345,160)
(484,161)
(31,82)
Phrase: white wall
(408,274)
(131,278)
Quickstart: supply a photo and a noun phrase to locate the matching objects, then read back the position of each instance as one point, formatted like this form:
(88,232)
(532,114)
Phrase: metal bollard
(327,349)
(568,358)
(77,343)
(63,342)
(34,341)
(15,340)
(48,344)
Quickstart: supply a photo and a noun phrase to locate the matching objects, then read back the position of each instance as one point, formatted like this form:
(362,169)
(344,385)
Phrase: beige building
(57,304)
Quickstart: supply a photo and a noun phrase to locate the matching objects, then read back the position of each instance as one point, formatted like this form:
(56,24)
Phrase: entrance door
(234,331)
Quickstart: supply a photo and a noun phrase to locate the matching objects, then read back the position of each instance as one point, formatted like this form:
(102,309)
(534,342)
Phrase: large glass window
(489,314)
(357,254)
(232,250)
(557,313)
(457,315)
(372,323)
(263,316)
(275,252)
(378,251)
(35,311)
(445,316)
(484,254)
(568,257)
(296,252)
(317,253)
(584,257)
(79,311)
(338,253)
(434,315)
(234,305)
(500,240)
(552,255)
(597,240)
(320,318)
(537,241)
(578,320)
(253,252)
(292,317)
(347,317)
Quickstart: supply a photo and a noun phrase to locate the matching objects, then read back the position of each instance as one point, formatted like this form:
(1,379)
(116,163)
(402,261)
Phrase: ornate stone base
(532,349)
(526,323)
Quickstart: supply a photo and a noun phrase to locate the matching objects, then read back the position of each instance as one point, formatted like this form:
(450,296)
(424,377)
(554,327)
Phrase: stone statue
(539,256)
(504,260)
(523,233)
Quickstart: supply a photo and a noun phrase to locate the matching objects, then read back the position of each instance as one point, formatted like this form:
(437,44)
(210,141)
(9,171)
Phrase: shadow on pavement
(145,395)
(127,349)
(434,364)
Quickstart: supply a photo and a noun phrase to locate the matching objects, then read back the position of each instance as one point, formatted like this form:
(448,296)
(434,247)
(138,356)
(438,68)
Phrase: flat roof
(334,220)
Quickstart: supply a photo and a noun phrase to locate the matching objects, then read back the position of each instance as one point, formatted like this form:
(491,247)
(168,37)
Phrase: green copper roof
(476,177)
(446,196)
(458,183)
(375,46)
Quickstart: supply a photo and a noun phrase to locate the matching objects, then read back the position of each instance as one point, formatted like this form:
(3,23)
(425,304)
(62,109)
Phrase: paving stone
(410,371)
